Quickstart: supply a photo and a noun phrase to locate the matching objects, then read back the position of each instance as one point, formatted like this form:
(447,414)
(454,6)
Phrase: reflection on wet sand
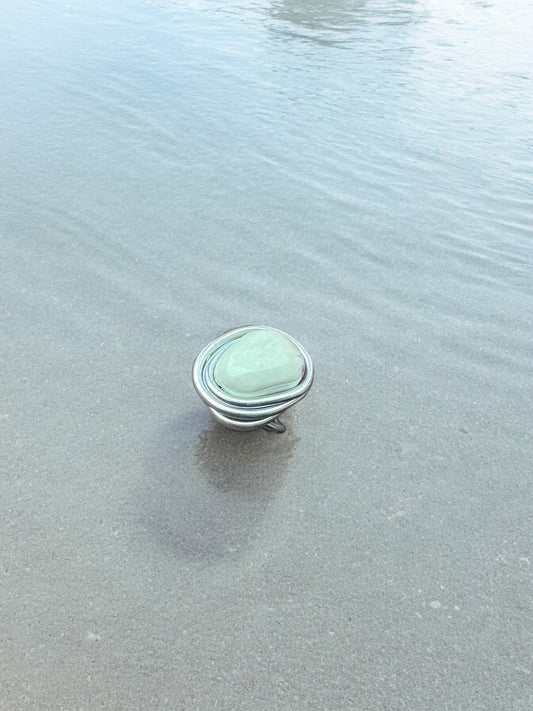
(330,21)
(209,487)
(325,15)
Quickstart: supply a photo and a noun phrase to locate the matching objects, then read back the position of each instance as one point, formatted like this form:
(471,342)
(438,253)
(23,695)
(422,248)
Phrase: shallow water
(356,173)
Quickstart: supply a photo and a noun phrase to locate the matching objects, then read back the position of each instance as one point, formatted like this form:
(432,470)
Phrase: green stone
(260,363)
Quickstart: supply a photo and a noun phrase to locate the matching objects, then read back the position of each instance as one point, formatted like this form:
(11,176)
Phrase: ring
(249,375)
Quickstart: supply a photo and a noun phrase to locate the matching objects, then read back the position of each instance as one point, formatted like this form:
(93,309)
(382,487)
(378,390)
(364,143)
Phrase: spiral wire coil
(240,413)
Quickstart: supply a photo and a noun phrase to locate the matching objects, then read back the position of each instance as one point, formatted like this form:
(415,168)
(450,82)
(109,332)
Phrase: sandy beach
(357,175)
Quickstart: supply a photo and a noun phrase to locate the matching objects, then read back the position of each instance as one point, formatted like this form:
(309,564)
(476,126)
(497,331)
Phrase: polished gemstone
(260,363)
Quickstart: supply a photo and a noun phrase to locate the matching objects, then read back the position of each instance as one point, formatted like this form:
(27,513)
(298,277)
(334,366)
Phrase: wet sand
(377,554)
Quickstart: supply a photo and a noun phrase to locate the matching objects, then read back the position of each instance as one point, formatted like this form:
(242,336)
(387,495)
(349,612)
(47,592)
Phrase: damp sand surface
(357,174)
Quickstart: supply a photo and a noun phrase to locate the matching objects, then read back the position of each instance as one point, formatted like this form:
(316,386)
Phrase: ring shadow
(210,487)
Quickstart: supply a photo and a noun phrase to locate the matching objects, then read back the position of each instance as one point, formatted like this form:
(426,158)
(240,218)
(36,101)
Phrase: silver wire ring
(242,413)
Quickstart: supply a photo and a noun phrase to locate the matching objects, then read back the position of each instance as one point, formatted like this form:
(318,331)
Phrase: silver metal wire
(242,413)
